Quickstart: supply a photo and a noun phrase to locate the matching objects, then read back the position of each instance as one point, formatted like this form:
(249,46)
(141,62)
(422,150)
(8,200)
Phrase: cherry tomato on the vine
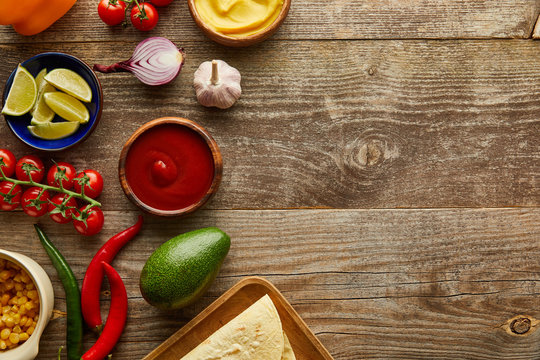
(69,208)
(144,17)
(29,199)
(161,2)
(9,162)
(37,175)
(112,12)
(94,186)
(94,221)
(11,201)
(69,172)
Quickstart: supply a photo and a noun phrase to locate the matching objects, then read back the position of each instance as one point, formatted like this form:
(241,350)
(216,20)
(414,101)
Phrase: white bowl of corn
(26,303)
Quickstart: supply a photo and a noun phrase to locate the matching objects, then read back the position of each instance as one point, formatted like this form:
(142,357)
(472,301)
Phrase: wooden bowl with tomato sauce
(239,41)
(170,166)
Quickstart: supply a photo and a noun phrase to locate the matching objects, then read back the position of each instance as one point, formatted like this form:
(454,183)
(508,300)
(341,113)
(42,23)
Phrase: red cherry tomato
(37,175)
(69,173)
(30,207)
(161,2)
(11,202)
(9,162)
(94,222)
(112,12)
(94,186)
(68,207)
(146,20)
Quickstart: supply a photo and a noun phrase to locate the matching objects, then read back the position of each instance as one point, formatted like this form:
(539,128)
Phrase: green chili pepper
(73,297)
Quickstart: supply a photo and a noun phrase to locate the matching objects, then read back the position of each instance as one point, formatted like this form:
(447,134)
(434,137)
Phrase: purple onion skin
(144,63)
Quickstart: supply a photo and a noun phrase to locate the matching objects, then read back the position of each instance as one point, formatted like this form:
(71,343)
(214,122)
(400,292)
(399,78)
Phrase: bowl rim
(239,41)
(99,105)
(210,142)
(43,320)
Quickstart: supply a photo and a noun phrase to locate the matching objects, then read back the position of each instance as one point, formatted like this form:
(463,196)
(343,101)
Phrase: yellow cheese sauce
(238,17)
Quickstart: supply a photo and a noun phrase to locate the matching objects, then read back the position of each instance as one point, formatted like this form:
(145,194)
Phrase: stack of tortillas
(255,334)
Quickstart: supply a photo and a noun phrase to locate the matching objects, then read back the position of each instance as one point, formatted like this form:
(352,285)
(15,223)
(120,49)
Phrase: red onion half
(155,61)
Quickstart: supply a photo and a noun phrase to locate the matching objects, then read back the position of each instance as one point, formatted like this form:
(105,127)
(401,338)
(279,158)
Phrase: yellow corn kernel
(22,300)
(32,294)
(3,345)
(28,322)
(4,334)
(31,314)
(9,284)
(14,338)
(24,319)
(19,293)
(29,305)
(23,310)
(4,299)
(17,318)
(17,329)
(17,278)
(6,309)
(8,343)
(23,336)
(30,330)
(19,286)
(25,278)
(5,274)
(14,309)
(9,322)
(30,286)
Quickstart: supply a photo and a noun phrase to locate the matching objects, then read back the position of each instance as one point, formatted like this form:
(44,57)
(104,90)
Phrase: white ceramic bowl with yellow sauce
(30,348)
(209,15)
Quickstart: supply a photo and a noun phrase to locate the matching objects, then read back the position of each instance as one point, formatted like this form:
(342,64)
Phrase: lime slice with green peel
(70,82)
(54,131)
(41,112)
(67,107)
(22,94)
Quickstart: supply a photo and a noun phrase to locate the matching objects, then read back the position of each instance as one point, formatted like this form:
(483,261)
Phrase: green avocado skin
(183,268)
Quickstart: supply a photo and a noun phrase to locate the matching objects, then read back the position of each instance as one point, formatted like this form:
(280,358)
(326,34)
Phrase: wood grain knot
(521,325)
(370,151)
(370,154)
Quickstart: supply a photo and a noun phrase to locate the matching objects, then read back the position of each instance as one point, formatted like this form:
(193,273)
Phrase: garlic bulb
(217,84)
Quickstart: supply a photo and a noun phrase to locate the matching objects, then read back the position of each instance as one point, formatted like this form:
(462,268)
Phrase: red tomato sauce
(169,167)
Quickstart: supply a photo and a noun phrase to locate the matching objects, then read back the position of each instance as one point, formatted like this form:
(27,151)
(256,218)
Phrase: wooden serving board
(305,344)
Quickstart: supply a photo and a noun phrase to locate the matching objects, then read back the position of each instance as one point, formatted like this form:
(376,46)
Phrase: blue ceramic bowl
(53,60)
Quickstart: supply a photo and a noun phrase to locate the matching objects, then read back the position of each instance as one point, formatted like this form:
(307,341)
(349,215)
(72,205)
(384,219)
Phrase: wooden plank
(378,284)
(340,124)
(336,19)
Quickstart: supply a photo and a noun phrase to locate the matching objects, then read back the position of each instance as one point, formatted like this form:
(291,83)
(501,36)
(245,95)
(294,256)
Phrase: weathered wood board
(409,124)
(321,19)
(377,284)
(382,169)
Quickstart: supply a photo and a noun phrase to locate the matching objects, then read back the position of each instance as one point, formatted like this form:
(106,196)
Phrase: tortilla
(288,353)
(255,334)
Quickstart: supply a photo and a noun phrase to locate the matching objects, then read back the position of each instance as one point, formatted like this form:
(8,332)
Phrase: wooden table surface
(382,169)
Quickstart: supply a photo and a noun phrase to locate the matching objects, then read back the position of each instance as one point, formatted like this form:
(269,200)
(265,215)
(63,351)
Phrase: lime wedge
(67,107)
(22,94)
(40,77)
(70,82)
(41,112)
(53,131)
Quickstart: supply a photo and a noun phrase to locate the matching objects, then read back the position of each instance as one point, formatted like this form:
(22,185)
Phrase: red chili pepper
(116,320)
(93,278)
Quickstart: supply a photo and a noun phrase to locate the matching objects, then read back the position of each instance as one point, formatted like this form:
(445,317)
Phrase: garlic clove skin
(217,84)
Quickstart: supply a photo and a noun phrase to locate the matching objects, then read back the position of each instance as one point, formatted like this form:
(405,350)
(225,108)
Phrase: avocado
(183,268)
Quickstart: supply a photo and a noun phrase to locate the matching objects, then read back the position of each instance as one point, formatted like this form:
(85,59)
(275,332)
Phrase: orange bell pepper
(12,11)
(44,13)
